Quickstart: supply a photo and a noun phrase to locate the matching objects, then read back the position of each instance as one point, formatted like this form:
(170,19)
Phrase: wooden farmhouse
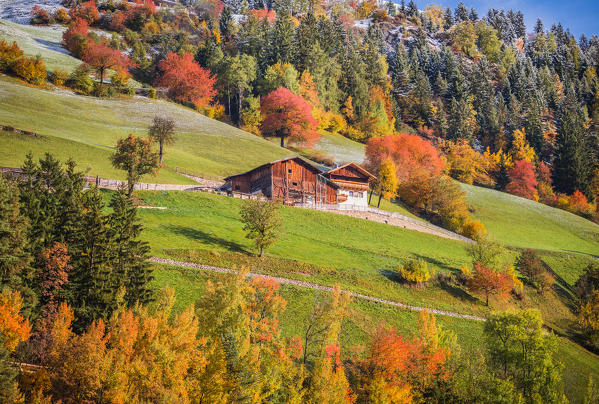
(297,181)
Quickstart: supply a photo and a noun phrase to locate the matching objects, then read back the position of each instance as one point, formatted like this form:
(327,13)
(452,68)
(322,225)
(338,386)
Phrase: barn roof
(356,166)
(299,159)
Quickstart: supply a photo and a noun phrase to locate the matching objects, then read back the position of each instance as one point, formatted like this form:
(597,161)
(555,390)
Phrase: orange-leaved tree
(287,115)
(413,156)
(13,326)
(186,80)
(400,370)
(522,180)
(489,282)
(102,57)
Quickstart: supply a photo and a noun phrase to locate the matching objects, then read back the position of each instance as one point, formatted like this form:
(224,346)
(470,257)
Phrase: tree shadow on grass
(207,238)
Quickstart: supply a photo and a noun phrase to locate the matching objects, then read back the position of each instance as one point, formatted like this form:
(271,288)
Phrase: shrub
(414,271)
(578,203)
(32,70)
(120,78)
(9,54)
(86,11)
(80,81)
(61,16)
(474,230)
(129,91)
(39,16)
(530,265)
(103,90)
(76,37)
(58,77)
(151,92)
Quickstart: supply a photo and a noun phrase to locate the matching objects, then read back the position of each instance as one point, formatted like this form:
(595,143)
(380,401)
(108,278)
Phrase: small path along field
(303,284)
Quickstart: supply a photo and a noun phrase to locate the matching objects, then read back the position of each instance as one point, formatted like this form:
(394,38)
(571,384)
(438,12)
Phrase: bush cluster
(414,271)
(12,61)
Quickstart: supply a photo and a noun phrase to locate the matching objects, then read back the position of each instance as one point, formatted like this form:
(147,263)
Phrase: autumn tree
(530,265)
(86,11)
(134,155)
(262,223)
(52,276)
(288,116)
(162,131)
(489,282)
(102,57)
(75,38)
(186,80)
(386,180)
(411,154)
(522,180)
(14,329)
(328,382)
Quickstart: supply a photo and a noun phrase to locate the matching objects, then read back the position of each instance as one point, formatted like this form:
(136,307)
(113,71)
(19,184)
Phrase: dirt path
(312,286)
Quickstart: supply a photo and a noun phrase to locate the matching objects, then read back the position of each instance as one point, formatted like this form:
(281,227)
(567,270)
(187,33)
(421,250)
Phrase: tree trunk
(487,299)
(261,252)
(282,140)
(101,75)
(240,96)
(379,204)
(370,197)
(160,152)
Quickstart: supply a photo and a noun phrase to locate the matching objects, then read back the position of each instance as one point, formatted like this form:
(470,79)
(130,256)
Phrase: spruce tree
(130,267)
(282,38)
(572,165)
(91,282)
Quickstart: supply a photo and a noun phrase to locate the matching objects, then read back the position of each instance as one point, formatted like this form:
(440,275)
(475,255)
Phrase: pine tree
(14,243)
(91,286)
(572,168)
(305,42)
(130,268)
(281,41)
(461,13)
(449,21)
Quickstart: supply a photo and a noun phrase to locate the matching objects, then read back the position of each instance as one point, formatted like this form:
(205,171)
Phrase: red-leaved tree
(86,11)
(102,57)
(186,80)
(264,14)
(75,38)
(287,115)
(522,180)
(413,156)
(489,282)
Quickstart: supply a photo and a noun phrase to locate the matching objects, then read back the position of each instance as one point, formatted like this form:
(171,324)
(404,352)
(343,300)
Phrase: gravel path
(312,286)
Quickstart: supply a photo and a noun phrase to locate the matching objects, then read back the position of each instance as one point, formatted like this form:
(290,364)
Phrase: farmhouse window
(237,187)
(289,171)
(294,184)
(351,193)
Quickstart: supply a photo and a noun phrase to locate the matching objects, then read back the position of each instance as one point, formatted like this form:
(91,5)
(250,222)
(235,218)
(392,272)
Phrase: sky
(580,16)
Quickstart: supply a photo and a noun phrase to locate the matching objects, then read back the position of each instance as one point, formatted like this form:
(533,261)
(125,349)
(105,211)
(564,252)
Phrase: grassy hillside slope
(523,223)
(203,145)
(43,41)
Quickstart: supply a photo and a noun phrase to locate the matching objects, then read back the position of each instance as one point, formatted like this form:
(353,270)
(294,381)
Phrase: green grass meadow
(203,146)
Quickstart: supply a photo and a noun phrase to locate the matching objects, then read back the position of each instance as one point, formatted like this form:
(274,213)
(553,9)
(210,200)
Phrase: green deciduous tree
(261,222)
(521,351)
(135,155)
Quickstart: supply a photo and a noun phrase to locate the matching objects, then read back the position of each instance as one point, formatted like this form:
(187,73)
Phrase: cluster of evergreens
(61,243)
